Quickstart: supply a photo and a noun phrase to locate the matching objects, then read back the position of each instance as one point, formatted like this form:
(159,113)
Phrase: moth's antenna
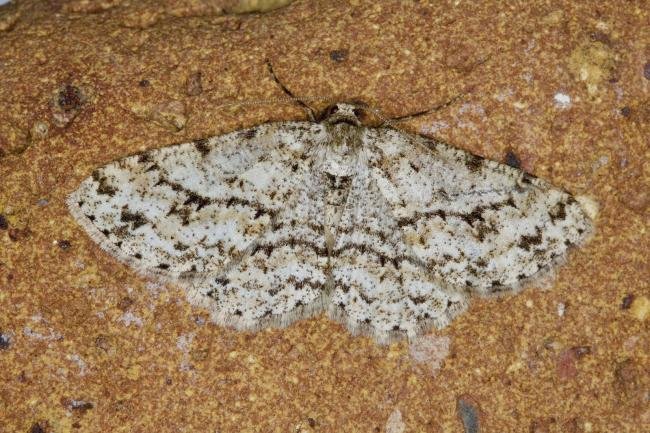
(299,101)
(439,107)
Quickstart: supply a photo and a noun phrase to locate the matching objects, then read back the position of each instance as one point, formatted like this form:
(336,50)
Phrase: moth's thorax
(340,156)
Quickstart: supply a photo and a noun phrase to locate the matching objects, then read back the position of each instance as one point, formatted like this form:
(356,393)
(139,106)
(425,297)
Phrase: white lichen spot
(80,363)
(434,127)
(561,308)
(394,424)
(183,343)
(430,350)
(50,334)
(562,100)
(504,94)
(128,318)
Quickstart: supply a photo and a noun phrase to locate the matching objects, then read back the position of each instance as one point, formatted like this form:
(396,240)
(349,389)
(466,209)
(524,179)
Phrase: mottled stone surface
(560,88)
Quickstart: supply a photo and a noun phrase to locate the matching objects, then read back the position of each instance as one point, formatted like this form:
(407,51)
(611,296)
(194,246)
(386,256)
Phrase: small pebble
(469,414)
(627,301)
(5,341)
(63,244)
(339,55)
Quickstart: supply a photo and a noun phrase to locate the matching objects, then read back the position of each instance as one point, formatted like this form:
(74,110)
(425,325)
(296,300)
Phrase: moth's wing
(379,288)
(282,277)
(475,223)
(196,207)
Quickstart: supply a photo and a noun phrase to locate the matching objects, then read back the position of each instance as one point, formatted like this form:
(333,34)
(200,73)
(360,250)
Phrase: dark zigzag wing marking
(476,223)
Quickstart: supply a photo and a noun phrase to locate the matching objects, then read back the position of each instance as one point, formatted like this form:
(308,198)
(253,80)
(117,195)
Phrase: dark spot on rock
(339,55)
(258,213)
(137,256)
(626,111)
(70,98)
(77,405)
(152,167)
(4,224)
(646,71)
(144,83)
(144,157)
(395,327)
(39,427)
(125,303)
(581,351)
(238,313)
(163,266)
(312,422)
(527,242)
(521,277)
(599,36)
(469,414)
(64,244)
(414,167)
(628,377)
(16,234)
(526,178)
(202,146)
(5,341)
(512,160)
(627,301)
(541,425)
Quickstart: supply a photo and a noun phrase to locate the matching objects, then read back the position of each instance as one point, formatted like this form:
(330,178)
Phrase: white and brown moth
(387,232)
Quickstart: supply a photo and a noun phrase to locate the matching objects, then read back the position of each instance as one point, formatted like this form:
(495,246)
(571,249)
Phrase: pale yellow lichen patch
(8,21)
(248,6)
(640,308)
(593,63)
(133,372)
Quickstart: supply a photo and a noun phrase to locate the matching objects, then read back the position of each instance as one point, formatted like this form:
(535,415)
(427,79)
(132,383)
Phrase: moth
(388,232)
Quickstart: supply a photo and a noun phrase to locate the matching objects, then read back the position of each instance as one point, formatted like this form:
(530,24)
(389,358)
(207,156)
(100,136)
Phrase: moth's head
(352,113)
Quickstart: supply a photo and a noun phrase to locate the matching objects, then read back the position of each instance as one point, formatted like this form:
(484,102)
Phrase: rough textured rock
(562,86)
